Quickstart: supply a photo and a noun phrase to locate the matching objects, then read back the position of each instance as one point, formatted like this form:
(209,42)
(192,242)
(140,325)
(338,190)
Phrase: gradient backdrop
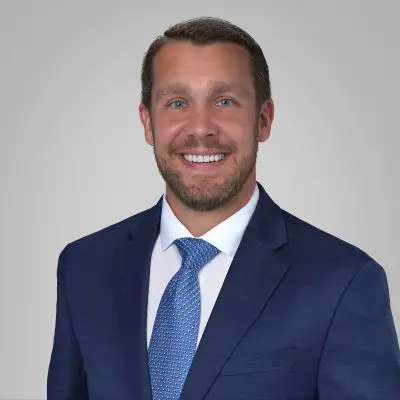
(73,157)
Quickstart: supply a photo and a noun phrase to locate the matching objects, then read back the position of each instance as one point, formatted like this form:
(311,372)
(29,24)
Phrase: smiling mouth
(204,159)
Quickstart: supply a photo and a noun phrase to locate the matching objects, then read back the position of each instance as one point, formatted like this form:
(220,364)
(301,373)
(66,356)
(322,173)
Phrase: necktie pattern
(174,337)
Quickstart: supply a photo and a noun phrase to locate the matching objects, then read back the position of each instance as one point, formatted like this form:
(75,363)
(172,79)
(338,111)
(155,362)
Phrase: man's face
(204,123)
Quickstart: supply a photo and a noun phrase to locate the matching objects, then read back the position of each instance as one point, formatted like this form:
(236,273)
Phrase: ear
(265,119)
(145,118)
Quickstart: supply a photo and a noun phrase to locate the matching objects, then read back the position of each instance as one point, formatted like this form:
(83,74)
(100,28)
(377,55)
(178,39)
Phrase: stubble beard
(207,193)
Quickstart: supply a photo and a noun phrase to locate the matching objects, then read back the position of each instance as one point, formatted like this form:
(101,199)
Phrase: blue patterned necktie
(174,338)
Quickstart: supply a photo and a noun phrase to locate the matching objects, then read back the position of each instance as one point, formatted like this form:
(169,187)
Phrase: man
(215,292)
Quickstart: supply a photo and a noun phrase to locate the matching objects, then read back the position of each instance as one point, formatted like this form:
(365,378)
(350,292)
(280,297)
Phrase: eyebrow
(218,87)
(224,87)
(175,88)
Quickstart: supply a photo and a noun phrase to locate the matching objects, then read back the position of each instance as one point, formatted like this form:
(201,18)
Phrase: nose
(201,122)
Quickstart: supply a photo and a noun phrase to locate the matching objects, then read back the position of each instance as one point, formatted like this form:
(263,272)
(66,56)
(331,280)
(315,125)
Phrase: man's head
(206,103)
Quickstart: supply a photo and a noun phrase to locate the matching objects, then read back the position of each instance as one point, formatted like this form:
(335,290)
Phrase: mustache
(192,143)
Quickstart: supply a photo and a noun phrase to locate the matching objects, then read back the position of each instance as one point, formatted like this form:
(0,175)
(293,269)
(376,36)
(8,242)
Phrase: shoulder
(319,251)
(108,239)
(325,266)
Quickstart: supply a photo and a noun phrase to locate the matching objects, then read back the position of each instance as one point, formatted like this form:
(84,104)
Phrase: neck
(200,222)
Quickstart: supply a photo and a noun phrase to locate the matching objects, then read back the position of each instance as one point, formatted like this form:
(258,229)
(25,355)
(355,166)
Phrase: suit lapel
(252,278)
(132,283)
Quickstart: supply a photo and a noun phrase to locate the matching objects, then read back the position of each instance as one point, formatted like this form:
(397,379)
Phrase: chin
(203,196)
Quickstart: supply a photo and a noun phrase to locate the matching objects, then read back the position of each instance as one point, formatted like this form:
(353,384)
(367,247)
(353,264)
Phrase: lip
(204,167)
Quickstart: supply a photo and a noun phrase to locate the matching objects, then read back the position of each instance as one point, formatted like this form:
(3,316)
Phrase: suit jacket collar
(266,223)
(254,274)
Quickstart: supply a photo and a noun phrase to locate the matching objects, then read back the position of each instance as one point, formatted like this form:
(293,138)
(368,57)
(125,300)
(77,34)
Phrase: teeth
(203,159)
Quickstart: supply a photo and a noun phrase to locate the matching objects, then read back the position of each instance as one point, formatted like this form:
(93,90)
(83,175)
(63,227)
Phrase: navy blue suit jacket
(302,315)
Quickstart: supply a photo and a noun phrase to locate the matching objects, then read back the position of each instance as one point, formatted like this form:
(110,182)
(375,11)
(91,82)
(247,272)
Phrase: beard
(205,193)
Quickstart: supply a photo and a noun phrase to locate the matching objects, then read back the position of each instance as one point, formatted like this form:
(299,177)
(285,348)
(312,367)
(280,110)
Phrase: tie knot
(195,252)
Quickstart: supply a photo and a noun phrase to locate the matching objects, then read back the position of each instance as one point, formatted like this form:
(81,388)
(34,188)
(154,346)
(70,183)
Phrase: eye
(177,104)
(225,102)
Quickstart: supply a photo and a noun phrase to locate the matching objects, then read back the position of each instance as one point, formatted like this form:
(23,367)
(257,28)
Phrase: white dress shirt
(166,259)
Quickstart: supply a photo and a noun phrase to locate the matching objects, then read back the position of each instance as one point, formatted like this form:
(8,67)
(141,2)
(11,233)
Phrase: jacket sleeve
(361,357)
(66,378)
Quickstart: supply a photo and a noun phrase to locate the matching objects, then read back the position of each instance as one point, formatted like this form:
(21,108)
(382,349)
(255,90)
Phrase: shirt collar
(226,236)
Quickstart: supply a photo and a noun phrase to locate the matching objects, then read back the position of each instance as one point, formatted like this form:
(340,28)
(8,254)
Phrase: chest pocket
(277,360)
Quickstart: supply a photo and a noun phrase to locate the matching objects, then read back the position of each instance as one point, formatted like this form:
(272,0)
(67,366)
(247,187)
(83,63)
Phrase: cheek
(167,118)
(238,119)
(166,128)
(242,133)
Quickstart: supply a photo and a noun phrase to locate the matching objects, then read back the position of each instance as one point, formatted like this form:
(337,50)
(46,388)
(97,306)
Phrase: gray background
(73,157)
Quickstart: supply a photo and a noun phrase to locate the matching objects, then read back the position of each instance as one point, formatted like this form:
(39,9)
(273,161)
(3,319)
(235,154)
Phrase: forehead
(190,63)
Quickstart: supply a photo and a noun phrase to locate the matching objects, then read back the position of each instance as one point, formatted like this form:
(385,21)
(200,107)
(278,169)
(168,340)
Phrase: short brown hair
(208,30)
